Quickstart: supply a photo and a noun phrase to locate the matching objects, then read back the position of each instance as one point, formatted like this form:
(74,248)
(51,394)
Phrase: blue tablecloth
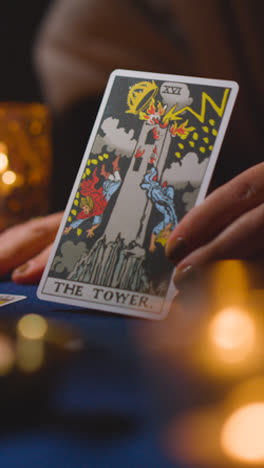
(101,411)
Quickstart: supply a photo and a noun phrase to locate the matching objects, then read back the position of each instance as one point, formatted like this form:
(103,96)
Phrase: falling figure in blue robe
(162,197)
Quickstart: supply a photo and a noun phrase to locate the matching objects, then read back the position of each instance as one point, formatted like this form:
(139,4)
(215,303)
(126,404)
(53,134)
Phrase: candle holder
(25,162)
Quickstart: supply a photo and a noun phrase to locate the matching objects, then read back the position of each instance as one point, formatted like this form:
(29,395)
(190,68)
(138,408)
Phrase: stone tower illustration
(132,210)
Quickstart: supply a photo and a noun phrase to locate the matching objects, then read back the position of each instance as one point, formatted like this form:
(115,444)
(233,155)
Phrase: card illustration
(141,173)
(6,299)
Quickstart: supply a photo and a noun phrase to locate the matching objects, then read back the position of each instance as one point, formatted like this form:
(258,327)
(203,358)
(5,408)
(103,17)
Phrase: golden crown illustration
(140,96)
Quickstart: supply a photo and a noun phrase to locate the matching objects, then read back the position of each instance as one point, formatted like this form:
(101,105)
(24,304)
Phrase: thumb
(31,271)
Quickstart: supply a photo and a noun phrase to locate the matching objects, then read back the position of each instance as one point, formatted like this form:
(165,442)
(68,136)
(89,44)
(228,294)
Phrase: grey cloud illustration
(189,171)
(70,254)
(115,139)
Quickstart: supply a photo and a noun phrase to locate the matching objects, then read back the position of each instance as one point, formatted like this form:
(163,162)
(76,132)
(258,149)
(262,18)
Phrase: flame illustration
(153,115)
(156,134)
(139,153)
(182,130)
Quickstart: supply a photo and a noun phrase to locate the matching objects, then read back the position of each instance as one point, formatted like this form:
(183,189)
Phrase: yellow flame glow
(242,435)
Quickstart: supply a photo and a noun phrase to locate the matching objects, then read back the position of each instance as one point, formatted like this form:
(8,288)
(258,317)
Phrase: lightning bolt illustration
(171,115)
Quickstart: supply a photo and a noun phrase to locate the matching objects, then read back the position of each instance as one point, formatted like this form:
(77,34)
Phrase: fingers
(22,242)
(204,222)
(31,271)
(243,239)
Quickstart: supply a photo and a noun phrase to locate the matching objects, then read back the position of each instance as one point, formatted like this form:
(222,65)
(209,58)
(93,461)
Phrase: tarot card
(148,161)
(6,299)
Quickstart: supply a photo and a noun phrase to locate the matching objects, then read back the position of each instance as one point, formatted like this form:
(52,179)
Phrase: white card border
(202,192)
(14,298)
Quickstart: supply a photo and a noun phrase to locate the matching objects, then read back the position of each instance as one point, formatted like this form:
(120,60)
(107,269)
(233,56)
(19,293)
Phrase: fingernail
(175,249)
(183,273)
(20,270)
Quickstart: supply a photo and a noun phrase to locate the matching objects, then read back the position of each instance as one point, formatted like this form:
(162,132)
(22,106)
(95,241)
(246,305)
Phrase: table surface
(101,411)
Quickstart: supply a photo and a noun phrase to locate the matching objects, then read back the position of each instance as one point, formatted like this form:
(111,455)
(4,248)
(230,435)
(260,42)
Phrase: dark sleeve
(70,133)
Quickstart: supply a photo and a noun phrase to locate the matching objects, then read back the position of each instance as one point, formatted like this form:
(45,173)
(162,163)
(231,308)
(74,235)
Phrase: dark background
(19,24)
(18,27)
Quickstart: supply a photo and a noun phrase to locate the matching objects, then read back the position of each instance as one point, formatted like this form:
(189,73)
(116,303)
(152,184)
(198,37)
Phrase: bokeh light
(3,161)
(242,436)
(32,327)
(7,355)
(9,177)
(232,332)
(30,355)
(229,283)
(25,161)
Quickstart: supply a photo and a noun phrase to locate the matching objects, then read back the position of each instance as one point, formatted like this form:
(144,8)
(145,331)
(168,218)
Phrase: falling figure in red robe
(94,201)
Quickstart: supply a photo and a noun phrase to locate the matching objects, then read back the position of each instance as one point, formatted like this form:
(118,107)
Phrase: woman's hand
(229,224)
(25,248)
